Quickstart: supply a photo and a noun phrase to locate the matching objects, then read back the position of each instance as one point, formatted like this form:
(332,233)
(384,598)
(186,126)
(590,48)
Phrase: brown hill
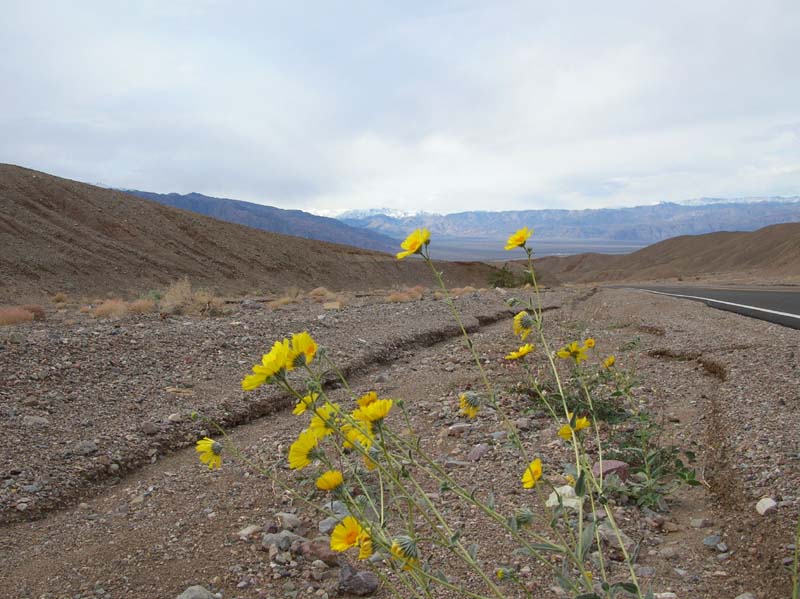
(769,253)
(61,235)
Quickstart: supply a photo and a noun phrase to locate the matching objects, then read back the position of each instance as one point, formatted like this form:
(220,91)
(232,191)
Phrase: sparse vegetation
(14,315)
(370,463)
(59,298)
(111,308)
(143,305)
(406,295)
(35,309)
(180,298)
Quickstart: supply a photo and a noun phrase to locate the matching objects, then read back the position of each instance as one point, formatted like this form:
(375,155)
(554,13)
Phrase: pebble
(767,505)
(667,595)
(746,596)
(282,540)
(326,525)
(85,448)
(701,523)
(197,592)
(357,582)
(712,540)
(288,521)
(36,421)
(477,452)
(249,531)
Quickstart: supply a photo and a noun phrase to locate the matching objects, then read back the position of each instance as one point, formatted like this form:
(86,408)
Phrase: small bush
(85,309)
(36,310)
(178,297)
(14,315)
(59,298)
(322,294)
(406,295)
(284,300)
(142,306)
(111,308)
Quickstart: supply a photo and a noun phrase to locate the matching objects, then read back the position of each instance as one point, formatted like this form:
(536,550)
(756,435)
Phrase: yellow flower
(209,451)
(523,324)
(532,474)
(373,412)
(303,404)
(414,243)
(367,399)
(301,450)
(346,534)
(323,419)
(565,432)
(589,343)
(469,403)
(253,381)
(365,542)
(304,345)
(609,362)
(574,351)
(361,434)
(522,351)
(330,480)
(272,364)
(519,238)
(404,548)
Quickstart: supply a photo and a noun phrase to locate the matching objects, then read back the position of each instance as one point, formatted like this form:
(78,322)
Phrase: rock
(608,534)
(667,595)
(499,435)
(746,596)
(319,550)
(612,467)
(701,523)
(327,525)
(338,508)
(767,505)
(668,552)
(174,418)
(85,448)
(477,452)
(282,540)
(357,582)
(523,424)
(712,540)
(721,547)
(197,592)
(645,571)
(35,421)
(568,498)
(149,428)
(459,429)
(288,521)
(670,527)
(249,531)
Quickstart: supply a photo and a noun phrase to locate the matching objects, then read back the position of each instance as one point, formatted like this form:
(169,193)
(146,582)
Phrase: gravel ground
(136,518)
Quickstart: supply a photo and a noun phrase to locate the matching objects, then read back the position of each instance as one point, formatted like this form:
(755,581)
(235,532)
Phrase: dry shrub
(59,298)
(85,309)
(14,315)
(322,294)
(406,295)
(142,306)
(206,304)
(284,300)
(36,310)
(459,291)
(111,308)
(178,297)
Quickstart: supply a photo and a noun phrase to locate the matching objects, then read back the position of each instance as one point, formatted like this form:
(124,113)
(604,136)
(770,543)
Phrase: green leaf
(587,539)
(455,537)
(580,486)
(473,550)
(490,500)
(628,587)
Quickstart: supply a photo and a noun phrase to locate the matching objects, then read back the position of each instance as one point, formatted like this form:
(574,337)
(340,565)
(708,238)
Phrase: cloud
(444,107)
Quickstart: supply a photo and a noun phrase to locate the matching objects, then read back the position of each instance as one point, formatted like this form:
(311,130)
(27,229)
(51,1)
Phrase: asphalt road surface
(781,306)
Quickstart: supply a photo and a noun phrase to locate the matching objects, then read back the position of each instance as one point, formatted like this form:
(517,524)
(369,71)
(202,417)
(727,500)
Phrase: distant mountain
(641,224)
(752,200)
(370,212)
(771,253)
(275,220)
(62,235)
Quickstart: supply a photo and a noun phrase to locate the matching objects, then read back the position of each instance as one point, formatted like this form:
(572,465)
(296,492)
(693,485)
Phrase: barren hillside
(772,252)
(61,235)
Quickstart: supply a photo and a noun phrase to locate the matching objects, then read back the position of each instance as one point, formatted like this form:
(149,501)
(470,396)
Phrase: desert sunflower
(521,352)
(519,238)
(301,451)
(414,243)
(532,474)
(209,452)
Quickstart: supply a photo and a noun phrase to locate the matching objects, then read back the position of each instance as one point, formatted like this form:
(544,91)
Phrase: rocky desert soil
(102,495)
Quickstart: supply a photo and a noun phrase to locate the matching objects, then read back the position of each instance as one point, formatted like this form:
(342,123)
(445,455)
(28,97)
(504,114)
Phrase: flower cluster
(284,356)
(575,351)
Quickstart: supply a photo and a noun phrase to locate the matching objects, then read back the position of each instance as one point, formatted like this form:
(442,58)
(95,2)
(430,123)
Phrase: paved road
(781,306)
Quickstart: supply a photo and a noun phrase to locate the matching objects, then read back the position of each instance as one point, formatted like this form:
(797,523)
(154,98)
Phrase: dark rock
(357,582)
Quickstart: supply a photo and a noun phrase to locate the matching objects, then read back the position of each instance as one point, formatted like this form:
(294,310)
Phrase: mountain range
(274,220)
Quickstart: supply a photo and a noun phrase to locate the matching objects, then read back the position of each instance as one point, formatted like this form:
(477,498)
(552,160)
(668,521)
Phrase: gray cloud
(449,107)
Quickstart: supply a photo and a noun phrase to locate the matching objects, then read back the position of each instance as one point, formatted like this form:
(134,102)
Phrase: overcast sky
(439,106)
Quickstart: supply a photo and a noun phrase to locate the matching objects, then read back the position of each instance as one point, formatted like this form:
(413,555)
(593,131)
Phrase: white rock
(568,498)
(249,531)
(767,505)
(666,596)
